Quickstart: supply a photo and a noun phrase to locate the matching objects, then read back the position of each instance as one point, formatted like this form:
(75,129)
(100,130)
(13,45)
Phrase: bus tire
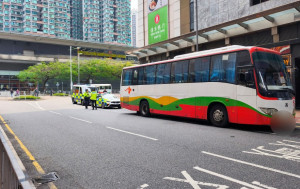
(218,115)
(73,100)
(144,109)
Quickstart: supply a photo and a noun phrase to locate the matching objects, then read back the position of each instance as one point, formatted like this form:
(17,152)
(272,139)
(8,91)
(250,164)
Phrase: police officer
(94,99)
(86,96)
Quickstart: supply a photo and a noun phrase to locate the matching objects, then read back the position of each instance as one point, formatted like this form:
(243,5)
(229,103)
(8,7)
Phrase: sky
(134,4)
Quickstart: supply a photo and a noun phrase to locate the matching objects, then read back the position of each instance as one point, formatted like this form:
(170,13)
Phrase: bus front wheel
(218,115)
(144,109)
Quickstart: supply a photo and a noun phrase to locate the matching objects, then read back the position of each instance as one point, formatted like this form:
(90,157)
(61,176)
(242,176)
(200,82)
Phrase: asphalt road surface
(116,148)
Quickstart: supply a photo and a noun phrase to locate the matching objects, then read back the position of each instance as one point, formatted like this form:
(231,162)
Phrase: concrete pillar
(167,54)
(193,48)
(147,59)
(274,32)
(227,41)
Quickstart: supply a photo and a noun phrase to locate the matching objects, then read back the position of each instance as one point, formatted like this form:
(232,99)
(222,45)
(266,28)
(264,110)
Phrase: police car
(106,100)
(78,90)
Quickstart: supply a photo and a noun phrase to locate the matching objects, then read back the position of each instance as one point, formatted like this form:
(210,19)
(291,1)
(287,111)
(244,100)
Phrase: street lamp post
(71,82)
(197,42)
(78,56)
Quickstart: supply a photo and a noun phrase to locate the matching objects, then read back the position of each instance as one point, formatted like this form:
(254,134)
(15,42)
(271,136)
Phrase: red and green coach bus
(235,84)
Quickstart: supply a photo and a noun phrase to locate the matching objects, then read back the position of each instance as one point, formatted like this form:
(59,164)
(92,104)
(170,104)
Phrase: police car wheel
(102,106)
(73,100)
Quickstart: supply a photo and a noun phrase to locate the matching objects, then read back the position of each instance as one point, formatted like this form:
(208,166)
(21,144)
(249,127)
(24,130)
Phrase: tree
(43,72)
(89,69)
(102,68)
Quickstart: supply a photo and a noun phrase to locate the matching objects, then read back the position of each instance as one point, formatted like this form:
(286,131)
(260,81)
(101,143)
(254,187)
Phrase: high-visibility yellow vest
(94,95)
(85,94)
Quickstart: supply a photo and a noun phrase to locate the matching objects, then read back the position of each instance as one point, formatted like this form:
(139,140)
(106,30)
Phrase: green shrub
(60,94)
(26,98)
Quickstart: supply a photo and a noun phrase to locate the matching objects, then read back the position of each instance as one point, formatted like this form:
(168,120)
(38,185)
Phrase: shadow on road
(264,129)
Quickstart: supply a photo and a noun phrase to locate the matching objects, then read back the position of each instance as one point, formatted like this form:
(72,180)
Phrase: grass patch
(60,94)
(26,98)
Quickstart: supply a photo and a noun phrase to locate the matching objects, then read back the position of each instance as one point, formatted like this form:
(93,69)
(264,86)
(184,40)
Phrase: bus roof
(227,49)
(213,51)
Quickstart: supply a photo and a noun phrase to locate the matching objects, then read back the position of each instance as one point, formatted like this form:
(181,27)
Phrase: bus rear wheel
(144,109)
(218,116)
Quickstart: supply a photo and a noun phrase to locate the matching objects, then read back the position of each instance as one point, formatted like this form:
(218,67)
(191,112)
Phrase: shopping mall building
(167,28)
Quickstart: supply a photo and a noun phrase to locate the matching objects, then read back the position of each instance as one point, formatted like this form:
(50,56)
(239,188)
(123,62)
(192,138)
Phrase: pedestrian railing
(12,171)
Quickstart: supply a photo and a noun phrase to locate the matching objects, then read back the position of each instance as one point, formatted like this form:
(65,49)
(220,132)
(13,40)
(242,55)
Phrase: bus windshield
(271,72)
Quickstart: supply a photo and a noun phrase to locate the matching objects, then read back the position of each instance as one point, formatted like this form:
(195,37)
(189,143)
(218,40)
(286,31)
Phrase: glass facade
(106,21)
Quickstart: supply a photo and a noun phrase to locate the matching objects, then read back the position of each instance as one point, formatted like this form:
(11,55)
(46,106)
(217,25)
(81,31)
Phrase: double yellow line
(28,153)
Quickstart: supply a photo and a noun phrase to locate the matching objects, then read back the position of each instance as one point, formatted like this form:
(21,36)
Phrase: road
(114,148)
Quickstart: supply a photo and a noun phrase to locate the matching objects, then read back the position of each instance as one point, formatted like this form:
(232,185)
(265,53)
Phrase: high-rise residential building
(92,19)
(43,17)
(133,29)
(115,21)
(106,21)
(76,19)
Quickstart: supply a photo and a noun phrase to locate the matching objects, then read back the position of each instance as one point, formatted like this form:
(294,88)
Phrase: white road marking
(31,104)
(291,141)
(254,165)
(283,153)
(132,133)
(143,186)
(55,113)
(262,185)
(80,119)
(279,143)
(227,178)
(39,106)
(192,182)
(196,184)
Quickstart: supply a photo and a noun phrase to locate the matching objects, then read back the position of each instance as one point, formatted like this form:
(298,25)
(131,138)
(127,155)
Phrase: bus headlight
(269,111)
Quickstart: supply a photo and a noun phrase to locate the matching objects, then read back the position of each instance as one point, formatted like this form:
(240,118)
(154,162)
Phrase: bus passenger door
(246,96)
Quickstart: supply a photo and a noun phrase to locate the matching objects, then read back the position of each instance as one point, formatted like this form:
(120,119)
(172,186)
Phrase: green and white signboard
(158,25)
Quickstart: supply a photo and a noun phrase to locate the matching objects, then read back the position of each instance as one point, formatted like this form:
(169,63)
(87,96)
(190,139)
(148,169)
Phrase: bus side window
(163,73)
(223,68)
(127,77)
(180,72)
(135,77)
(141,76)
(245,75)
(217,72)
(199,70)
(243,59)
(150,74)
